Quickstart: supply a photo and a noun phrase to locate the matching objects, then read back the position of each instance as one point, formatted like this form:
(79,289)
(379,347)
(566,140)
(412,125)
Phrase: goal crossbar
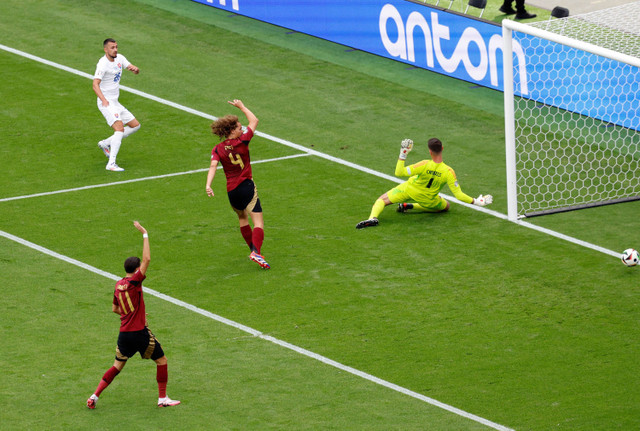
(549,130)
(573,43)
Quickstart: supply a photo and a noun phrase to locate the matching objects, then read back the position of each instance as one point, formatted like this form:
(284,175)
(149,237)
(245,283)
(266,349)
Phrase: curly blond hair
(223,127)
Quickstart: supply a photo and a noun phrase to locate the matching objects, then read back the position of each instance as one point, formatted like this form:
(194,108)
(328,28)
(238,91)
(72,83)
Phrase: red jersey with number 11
(128,295)
(234,156)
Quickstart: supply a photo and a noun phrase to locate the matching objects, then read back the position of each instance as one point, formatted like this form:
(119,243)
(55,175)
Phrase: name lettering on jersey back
(434,173)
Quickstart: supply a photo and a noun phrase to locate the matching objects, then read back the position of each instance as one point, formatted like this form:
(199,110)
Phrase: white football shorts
(115,112)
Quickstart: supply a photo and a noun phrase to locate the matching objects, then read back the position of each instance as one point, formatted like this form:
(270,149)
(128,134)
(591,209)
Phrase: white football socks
(127,131)
(130,130)
(115,141)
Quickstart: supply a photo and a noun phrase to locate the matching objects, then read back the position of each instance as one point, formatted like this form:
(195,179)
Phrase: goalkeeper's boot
(167,402)
(259,260)
(104,146)
(403,207)
(91,402)
(367,223)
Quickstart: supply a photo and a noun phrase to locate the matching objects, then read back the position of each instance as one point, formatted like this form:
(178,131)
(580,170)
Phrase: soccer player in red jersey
(135,336)
(233,154)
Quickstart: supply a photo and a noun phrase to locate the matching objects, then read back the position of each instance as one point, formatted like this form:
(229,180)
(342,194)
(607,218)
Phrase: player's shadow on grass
(409,219)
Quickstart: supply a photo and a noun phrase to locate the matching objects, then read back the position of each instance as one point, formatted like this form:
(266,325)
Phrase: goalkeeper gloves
(483,200)
(405,148)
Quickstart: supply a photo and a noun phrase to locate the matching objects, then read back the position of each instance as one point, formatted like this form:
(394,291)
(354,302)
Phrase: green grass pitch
(516,326)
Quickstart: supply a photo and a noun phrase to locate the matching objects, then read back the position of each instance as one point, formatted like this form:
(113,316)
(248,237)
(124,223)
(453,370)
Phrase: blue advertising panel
(416,34)
(453,45)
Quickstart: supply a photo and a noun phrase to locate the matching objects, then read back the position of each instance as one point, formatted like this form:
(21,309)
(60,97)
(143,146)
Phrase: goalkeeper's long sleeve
(401,171)
(457,191)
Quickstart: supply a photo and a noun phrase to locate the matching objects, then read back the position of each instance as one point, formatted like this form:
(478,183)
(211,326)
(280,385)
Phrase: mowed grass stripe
(259,334)
(320,154)
(135,180)
(504,318)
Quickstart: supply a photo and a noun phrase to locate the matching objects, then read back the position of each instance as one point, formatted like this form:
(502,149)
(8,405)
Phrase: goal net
(572,111)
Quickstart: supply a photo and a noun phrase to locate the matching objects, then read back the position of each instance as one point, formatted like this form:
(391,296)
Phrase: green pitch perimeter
(504,322)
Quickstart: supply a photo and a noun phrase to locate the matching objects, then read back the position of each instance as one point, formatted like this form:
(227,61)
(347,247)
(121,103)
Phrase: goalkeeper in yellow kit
(427,178)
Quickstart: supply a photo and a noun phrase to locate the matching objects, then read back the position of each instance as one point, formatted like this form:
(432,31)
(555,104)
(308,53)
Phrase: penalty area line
(315,153)
(261,335)
(135,180)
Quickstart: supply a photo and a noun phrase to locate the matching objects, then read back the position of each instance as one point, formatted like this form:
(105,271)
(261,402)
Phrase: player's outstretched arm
(483,200)
(133,68)
(146,250)
(251,118)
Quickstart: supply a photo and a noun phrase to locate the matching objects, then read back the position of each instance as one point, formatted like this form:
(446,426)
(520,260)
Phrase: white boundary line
(206,313)
(317,153)
(263,336)
(135,180)
(245,328)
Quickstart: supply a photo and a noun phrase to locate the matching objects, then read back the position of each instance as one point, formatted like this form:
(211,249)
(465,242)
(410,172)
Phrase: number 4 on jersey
(236,160)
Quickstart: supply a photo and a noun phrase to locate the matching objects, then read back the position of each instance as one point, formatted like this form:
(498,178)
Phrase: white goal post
(572,111)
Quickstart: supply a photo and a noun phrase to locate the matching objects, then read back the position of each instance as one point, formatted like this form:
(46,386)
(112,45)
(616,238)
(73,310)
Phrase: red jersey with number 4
(128,295)
(234,156)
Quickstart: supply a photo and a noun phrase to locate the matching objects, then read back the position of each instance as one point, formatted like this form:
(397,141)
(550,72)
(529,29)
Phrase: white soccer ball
(630,257)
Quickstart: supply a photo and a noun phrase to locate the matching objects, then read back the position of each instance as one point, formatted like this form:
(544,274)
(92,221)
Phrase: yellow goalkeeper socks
(378,206)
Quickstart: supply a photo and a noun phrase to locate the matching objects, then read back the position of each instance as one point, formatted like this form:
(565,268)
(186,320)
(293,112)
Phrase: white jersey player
(106,85)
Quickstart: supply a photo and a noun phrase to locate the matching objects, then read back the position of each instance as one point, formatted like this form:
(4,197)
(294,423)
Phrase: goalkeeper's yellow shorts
(405,193)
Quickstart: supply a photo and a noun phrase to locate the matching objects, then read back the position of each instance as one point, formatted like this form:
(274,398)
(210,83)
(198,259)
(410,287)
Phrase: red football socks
(162,376)
(258,237)
(106,380)
(247,235)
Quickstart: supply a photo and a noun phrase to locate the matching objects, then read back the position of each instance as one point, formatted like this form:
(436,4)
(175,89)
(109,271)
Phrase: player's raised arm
(405,148)
(251,118)
(146,250)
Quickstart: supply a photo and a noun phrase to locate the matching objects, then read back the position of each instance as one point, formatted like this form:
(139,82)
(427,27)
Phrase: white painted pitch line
(135,180)
(213,316)
(539,229)
(261,335)
(333,159)
(317,153)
